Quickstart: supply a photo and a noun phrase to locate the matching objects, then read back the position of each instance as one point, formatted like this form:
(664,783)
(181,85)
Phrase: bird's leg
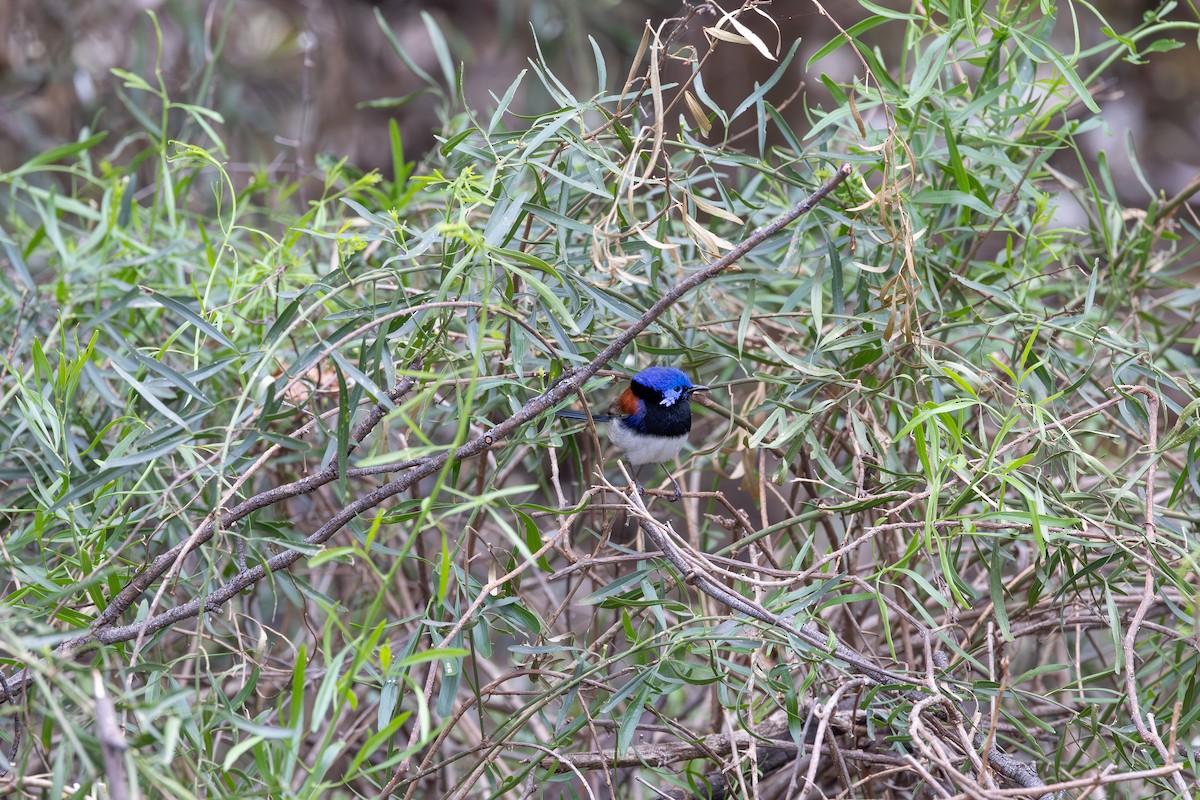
(678,494)
(634,472)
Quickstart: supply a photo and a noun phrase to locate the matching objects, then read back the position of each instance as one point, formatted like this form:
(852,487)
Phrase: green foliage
(954,429)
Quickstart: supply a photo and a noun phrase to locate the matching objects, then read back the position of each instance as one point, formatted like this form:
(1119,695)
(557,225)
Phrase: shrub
(287,512)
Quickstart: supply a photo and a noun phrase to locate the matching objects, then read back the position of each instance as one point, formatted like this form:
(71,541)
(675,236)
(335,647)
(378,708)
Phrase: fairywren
(649,422)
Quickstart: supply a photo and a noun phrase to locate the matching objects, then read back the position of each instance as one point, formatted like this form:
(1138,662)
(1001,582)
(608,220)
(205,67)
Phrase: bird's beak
(699,389)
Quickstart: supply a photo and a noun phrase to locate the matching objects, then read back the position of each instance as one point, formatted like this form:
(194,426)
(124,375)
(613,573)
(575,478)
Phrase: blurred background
(298,78)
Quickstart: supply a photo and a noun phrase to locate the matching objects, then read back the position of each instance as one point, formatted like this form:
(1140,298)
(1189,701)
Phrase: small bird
(651,419)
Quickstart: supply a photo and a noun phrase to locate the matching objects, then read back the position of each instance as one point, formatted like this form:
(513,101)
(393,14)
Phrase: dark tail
(567,413)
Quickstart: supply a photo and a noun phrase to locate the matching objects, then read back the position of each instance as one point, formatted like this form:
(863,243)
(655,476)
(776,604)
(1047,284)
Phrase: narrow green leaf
(189,315)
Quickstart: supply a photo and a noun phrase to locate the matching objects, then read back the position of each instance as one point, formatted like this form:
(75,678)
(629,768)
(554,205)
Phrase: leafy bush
(287,512)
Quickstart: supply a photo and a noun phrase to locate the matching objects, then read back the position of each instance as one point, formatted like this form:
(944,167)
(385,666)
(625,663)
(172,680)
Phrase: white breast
(644,449)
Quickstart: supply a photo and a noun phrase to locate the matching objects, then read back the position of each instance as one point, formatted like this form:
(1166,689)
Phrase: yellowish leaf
(751,37)
(697,111)
(726,36)
(716,211)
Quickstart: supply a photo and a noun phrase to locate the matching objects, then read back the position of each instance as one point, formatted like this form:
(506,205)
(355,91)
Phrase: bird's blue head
(657,402)
(667,386)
